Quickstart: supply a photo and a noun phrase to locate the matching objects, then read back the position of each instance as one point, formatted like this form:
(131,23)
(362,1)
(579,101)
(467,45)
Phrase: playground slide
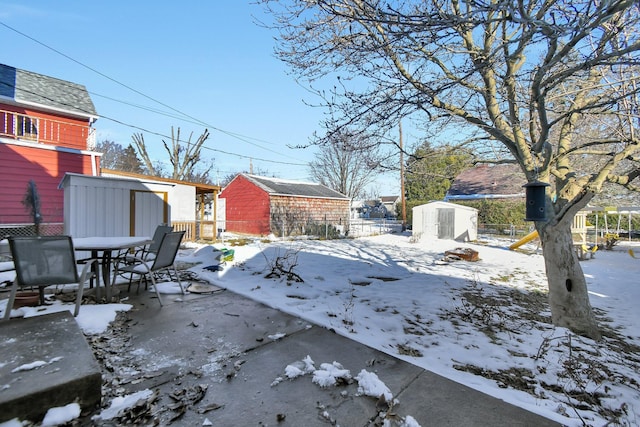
(526,239)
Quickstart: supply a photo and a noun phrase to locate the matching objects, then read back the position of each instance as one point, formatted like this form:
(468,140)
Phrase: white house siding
(100,206)
(182,199)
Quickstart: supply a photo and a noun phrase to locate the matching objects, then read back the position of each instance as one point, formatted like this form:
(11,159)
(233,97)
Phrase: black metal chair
(42,261)
(146,269)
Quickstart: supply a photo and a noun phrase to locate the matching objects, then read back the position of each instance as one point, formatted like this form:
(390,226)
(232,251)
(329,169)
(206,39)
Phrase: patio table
(102,248)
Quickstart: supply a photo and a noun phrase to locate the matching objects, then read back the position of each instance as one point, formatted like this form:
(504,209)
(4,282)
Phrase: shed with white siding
(116,206)
(442,220)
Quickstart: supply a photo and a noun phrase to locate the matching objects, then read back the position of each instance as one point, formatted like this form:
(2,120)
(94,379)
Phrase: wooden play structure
(584,249)
(603,233)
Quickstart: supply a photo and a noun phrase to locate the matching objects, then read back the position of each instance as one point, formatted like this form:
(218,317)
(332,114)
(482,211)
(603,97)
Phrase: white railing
(45,131)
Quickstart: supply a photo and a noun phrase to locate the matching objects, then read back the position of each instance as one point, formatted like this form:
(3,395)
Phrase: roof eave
(309,196)
(18,102)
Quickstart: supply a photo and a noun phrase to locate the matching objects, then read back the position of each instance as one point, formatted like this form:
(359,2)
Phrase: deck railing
(195,230)
(46,131)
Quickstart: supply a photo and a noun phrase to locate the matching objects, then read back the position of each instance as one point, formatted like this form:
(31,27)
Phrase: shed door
(446,221)
(148,209)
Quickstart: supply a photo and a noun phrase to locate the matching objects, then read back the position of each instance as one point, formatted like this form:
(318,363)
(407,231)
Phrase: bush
(492,211)
(321,230)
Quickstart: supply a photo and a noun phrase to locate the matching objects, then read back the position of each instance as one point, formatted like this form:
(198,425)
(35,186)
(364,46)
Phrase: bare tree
(111,152)
(183,156)
(141,146)
(114,156)
(528,79)
(345,163)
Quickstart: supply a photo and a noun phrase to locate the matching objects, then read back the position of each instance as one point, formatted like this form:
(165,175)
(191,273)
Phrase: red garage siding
(19,164)
(292,215)
(260,206)
(247,207)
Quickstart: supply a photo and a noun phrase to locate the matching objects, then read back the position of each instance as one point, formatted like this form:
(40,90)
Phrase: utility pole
(404,202)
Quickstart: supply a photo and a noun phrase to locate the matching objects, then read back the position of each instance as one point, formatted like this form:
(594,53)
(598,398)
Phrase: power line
(193,120)
(154,132)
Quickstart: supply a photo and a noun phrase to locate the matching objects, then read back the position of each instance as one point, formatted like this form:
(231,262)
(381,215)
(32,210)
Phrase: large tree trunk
(568,295)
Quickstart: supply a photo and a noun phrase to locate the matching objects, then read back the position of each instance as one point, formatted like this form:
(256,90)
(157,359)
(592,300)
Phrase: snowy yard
(485,324)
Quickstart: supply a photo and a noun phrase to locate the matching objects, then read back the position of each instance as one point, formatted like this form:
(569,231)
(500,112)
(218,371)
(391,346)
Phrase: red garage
(260,206)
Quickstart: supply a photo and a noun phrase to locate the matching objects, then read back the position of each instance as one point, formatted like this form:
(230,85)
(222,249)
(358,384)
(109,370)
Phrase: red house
(45,131)
(258,205)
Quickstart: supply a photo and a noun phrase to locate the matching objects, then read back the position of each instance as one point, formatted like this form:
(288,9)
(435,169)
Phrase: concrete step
(45,362)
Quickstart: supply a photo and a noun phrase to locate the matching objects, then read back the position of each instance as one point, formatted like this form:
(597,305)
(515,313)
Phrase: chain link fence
(504,231)
(43,229)
(373,227)
(320,229)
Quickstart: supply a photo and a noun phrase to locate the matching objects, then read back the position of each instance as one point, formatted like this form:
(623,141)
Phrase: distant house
(502,181)
(390,203)
(372,209)
(384,207)
(259,205)
(45,131)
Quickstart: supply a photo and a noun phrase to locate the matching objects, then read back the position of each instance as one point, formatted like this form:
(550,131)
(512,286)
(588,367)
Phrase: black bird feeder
(535,194)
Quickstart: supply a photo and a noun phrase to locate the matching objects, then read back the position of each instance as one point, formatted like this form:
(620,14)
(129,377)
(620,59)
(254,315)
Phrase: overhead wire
(184,115)
(154,132)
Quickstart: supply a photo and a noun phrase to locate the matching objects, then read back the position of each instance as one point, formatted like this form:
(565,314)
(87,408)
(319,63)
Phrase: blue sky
(208,60)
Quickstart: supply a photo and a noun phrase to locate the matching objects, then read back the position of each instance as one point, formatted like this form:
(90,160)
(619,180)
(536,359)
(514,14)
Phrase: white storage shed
(443,220)
(115,206)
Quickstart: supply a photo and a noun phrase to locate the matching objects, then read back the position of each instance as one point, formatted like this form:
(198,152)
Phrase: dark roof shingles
(504,179)
(294,188)
(29,87)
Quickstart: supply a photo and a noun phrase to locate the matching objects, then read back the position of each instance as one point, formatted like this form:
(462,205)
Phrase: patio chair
(42,261)
(149,252)
(146,269)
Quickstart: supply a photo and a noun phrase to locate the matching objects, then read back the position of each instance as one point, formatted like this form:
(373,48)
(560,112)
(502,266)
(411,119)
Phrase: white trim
(302,196)
(18,103)
(48,147)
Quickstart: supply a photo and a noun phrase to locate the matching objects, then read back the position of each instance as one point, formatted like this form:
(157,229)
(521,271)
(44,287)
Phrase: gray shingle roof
(282,187)
(31,88)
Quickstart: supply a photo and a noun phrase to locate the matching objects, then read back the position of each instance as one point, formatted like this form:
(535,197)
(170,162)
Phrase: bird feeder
(535,196)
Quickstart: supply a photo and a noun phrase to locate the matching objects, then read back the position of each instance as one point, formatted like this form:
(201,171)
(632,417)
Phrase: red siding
(19,164)
(292,215)
(247,207)
(251,210)
(53,128)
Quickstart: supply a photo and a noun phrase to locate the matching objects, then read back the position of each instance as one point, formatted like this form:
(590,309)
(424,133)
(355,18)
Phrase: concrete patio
(221,357)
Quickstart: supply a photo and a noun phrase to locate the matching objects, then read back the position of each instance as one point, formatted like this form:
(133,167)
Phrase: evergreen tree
(430,172)
(128,161)
(121,159)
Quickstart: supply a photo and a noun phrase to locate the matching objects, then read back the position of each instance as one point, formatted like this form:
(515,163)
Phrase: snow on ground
(485,324)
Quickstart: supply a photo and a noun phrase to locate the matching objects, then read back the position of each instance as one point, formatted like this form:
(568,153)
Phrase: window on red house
(27,127)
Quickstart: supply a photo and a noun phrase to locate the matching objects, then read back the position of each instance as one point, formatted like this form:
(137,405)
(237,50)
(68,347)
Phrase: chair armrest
(131,263)
(86,265)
